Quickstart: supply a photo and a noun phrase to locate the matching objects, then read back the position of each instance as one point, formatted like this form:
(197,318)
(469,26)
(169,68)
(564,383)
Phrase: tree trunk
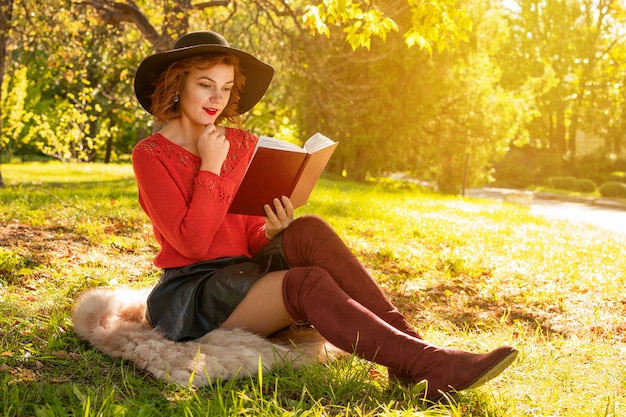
(109,150)
(559,130)
(574,124)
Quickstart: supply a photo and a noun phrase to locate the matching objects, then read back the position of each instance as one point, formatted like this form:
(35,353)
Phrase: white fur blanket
(113,321)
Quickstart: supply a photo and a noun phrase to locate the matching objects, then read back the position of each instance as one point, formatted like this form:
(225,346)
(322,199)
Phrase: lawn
(468,273)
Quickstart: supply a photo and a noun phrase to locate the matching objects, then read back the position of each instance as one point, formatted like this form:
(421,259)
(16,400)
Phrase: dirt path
(605,214)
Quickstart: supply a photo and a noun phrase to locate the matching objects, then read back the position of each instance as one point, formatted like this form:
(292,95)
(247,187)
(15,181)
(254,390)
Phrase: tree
(395,108)
(337,80)
(564,51)
(469,118)
(67,85)
(434,25)
(84,91)
(383,80)
(6,11)
(175,16)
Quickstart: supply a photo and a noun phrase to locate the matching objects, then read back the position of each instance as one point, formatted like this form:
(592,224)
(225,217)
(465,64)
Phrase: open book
(280,168)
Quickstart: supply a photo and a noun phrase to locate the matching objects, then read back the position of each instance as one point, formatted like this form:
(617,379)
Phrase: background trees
(568,54)
(438,89)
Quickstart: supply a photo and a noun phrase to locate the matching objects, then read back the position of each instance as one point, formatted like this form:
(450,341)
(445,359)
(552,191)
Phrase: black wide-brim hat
(204,42)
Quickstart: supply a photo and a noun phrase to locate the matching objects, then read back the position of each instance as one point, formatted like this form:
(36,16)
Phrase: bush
(597,167)
(526,165)
(572,184)
(617,176)
(585,186)
(562,183)
(613,189)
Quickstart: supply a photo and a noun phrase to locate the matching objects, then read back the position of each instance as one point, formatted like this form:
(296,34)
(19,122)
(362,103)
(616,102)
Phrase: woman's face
(206,93)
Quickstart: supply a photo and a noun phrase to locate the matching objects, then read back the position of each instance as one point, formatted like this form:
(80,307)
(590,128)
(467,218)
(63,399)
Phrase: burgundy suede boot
(310,241)
(311,294)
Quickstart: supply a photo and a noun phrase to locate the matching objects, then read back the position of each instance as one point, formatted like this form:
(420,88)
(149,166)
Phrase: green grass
(467,273)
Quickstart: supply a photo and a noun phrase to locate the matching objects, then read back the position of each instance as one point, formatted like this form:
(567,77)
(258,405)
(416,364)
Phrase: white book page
(317,142)
(314,143)
(273,143)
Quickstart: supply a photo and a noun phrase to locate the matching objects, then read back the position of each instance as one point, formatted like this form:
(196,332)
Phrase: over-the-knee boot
(310,241)
(311,294)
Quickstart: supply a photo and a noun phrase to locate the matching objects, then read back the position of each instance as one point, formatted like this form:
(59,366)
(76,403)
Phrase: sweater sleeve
(188,222)
(256,234)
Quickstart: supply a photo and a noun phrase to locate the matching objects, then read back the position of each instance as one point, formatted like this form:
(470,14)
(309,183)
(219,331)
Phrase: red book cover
(279,168)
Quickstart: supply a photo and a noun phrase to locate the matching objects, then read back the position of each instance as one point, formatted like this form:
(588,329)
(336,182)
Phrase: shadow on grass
(458,303)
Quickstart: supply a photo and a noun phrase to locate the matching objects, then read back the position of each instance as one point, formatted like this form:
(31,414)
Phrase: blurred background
(455,94)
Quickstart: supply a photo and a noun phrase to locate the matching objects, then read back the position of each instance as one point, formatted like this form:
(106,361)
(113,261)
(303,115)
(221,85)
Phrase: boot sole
(494,371)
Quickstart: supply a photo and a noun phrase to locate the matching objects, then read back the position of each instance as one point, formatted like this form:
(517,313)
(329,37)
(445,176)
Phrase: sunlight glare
(511,5)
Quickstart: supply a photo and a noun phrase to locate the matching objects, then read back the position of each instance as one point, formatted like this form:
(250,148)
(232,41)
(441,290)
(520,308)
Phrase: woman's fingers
(278,218)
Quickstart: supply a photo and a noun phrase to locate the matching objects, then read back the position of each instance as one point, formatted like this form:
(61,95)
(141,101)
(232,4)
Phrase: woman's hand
(278,219)
(213,149)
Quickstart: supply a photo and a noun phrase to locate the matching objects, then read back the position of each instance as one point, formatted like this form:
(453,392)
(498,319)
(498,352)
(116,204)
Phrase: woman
(258,273)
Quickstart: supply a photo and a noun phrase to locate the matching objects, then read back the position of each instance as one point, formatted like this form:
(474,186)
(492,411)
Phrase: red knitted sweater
(189,208)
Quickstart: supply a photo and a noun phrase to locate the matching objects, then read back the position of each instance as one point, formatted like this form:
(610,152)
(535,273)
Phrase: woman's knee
(304,276)
(309,222)
(309,228)
(302,283)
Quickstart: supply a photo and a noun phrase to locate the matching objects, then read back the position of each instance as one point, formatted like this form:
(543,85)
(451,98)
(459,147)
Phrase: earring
(177,98)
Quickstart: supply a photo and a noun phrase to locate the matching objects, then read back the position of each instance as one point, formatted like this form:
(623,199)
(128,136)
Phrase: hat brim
(258,73)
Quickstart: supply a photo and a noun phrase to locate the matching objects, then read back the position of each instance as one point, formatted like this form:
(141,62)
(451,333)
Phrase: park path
(604,214)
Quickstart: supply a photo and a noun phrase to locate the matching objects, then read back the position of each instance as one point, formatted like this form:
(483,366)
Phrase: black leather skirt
(190,301)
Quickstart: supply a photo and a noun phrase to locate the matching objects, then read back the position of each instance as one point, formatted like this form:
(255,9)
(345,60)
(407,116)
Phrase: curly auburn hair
(172,82)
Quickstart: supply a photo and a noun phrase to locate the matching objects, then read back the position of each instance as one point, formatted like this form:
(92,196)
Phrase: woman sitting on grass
(258,273)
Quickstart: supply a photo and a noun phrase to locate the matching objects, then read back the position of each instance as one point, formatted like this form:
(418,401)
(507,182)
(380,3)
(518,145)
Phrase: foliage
(585,185)
(360,26)
(469,116)
(542,164)
(618,176)
(572,184)
(11,265)
(613,189)
(78,108)
(67,134)
(114,127)
(467,273)
(567,53)
(437,25)
(440,88)
(597,166)
(527,165)
(13,105)
(404,110)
